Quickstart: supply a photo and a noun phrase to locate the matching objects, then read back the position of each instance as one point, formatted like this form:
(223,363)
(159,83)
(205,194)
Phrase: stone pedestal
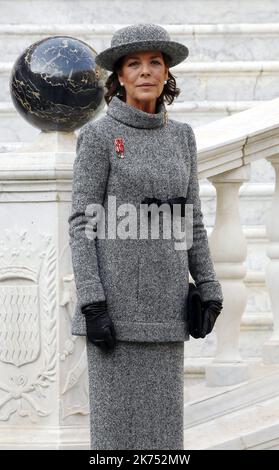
(43,385)
(226,373)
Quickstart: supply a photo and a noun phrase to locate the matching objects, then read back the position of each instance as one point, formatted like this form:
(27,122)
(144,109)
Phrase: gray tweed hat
(141,36)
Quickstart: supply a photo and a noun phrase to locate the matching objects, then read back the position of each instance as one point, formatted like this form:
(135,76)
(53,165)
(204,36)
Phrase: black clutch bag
(194,311)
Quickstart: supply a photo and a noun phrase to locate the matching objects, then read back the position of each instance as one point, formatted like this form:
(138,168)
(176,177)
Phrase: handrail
(234,141)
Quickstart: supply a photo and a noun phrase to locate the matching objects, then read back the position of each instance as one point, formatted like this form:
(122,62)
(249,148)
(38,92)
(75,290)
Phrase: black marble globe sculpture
(56,85)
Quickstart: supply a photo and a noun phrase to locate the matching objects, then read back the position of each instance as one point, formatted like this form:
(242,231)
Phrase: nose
(145,68)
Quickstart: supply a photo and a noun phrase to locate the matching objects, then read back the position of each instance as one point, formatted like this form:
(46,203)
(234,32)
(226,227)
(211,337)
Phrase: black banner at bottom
(124,458)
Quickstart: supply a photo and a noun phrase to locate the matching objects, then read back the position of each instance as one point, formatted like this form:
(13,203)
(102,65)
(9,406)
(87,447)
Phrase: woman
(132,290)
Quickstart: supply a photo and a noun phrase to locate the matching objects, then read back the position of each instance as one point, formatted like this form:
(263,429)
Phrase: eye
(157,62)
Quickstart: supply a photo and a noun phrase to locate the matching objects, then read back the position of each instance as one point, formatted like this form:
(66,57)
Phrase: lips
(146,85)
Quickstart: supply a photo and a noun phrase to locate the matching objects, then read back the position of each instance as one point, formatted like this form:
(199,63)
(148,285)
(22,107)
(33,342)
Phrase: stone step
(206,42)
(203,403)
(254,427)
(234,81)
(176,11)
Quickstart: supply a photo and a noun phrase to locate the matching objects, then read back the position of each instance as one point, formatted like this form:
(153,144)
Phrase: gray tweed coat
(145,281)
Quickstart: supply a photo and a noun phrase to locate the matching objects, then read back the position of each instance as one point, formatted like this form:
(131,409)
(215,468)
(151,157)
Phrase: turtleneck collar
(134,117)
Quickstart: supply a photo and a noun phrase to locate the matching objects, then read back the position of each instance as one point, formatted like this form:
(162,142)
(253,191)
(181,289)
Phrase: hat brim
(176,51)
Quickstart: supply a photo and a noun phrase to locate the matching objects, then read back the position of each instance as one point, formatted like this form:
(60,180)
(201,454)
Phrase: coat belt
(175,200)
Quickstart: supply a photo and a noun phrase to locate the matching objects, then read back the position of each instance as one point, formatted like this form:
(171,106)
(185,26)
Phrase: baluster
(229,250)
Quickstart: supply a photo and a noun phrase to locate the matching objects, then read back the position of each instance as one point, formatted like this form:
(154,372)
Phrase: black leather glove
(99,326)
(211,310)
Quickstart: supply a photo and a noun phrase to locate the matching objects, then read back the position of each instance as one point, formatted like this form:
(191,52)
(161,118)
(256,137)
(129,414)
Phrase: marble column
(229,251)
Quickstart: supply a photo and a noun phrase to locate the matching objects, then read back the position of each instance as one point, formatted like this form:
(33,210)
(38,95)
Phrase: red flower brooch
(119,147)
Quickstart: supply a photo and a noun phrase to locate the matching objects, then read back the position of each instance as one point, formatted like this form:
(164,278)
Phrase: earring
(165,82)
(121,83)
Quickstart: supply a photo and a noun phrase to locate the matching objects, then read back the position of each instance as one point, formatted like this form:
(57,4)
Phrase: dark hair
(113,86)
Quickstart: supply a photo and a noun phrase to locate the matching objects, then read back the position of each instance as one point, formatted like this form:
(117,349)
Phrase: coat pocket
(162,286)
(120,280)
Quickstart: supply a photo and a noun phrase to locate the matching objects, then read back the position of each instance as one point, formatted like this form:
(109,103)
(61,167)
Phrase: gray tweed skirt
(136,396)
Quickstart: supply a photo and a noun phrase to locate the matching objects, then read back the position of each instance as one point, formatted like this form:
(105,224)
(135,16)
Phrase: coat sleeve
(199,258)
(90,173)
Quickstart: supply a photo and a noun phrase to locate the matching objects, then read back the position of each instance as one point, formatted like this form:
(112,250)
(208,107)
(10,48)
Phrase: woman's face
(143,67)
